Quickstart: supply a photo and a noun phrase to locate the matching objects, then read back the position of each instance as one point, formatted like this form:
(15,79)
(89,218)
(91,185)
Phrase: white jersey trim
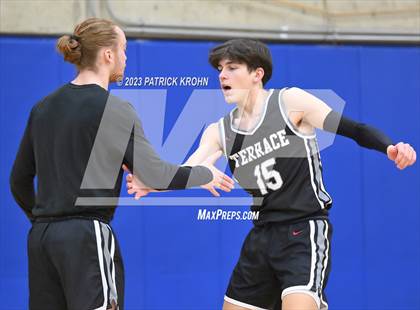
(249,133)
(222,136)
(308,153)
(286,119)
(315,160)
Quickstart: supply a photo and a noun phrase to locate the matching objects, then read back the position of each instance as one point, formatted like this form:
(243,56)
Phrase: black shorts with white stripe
(74,264)
(280,259)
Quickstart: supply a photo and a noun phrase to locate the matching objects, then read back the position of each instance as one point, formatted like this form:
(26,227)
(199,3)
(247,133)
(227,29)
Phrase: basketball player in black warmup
(272,151)
(74,257)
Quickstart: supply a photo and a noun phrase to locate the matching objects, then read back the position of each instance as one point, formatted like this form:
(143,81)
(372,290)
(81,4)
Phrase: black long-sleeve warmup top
(79,126)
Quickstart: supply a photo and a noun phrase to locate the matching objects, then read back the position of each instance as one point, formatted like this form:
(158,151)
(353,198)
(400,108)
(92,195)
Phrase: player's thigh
(303,267)
(299,301)
(253,284)
(87,257)
(45,288)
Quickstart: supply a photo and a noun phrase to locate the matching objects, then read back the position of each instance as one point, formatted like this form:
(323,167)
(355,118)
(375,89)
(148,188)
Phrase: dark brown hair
(81,48)
(253,53)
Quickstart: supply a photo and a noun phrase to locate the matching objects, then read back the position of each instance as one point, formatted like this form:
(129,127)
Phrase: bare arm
(209,144)
(304,109)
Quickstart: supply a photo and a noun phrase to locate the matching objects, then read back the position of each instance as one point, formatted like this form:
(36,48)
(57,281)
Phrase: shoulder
(116,103)
(297,99)
(212,129)
(55,95)
(119,101)
(293,94)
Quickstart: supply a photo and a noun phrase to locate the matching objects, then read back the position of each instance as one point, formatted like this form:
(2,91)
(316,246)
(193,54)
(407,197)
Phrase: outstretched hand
(135,185)
(137,188)
(402,154)
(220,180)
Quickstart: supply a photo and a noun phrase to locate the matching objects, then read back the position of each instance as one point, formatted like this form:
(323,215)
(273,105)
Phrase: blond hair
(81,48)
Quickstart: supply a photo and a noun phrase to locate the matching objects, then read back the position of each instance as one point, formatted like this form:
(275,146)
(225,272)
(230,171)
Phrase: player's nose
(222,75)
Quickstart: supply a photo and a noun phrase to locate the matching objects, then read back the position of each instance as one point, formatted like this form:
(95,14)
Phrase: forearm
(23,174)
(140,157)
(24,195)
(159,174)
(365,135)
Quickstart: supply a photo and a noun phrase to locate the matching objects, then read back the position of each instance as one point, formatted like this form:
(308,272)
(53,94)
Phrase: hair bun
(70,47)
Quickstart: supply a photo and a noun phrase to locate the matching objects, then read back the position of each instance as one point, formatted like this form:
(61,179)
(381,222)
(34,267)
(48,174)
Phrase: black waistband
(69,217)
(270,221)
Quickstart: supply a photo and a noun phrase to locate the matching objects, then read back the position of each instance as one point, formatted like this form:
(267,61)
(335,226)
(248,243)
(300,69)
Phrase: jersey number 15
(267,177)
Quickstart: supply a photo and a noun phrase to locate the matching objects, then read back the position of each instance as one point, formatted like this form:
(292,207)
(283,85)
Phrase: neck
(91,77)
(253,103)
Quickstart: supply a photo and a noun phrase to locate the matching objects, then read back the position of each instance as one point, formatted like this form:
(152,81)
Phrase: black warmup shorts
(74,264)
(277,260)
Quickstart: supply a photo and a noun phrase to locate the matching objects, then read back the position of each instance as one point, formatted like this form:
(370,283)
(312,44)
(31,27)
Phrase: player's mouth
(226,88)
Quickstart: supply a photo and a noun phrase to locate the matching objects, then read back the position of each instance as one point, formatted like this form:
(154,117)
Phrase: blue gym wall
(173,261)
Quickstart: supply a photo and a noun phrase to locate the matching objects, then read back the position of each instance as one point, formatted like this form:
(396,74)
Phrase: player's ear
(108,55)
(259,74)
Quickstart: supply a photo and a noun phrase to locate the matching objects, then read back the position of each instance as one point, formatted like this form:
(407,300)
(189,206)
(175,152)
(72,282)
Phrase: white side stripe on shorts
(101,264)
(313,255)
(112,257)
(319,264)
(323,303)
(109,259)
(320,242)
